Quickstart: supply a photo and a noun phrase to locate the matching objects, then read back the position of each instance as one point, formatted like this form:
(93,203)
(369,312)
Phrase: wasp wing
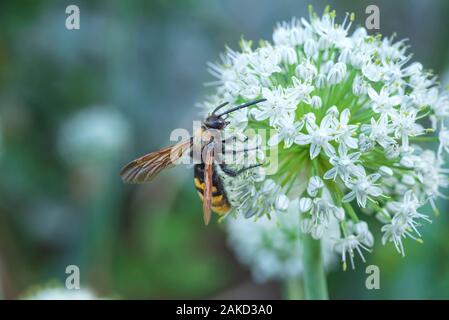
(148,166)
(208,171)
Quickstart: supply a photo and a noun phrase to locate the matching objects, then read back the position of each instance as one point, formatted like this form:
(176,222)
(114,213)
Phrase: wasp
(207,181)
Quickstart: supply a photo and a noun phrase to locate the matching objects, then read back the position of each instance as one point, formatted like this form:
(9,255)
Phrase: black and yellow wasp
(207,180)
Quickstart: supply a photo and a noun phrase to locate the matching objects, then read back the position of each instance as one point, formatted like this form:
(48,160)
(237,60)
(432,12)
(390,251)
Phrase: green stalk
(293,289)
(315,287)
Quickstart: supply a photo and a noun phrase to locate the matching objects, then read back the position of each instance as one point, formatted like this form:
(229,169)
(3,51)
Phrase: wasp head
(215,122)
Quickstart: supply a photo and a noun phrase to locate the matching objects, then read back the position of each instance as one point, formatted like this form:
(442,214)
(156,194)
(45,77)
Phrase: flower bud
(385,171)
(306,226)
(317,232)
(359,87)
(339,213)
(310,47)
(315,183)
(361,228)
(392,151)
(333,111)
(408,180)
(407,162)
(320,81)
(316,102)
(305,204)
(268,186)
(337,73)
(282,202)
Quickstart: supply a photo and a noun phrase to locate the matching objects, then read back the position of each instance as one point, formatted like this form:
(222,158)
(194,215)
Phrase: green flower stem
(424,139)
(351,212)
(293,289)
(315,287)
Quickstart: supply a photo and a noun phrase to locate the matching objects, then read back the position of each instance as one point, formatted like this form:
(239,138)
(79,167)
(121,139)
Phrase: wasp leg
(233,138)
(236,151)
(234,173)
(242,150)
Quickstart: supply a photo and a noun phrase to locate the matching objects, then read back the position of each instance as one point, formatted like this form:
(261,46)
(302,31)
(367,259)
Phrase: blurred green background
(77,105)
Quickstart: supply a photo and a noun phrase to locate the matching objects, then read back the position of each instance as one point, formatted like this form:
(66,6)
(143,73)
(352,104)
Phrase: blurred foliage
(146,60)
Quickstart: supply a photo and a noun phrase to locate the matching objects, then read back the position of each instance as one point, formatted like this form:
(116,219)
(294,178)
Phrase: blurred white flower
(337,73)
(61,293)
(93,134)
(272,249)
(315,184)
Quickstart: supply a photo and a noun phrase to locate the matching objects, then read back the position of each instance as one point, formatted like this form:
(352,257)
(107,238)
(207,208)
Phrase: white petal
(351,142)
(373,94)
(274,140)
(354,156)
(349,197)
(327,121)
(374,191)
(261,115)
(302,139)
(282,202)
(386,171)
(330,174)
(342,150)
(395,100)
(339,214)
(373,177)
(311,126)
(305,204)
(333,111)
(361,199)
(306,226)
(318,232)
(314,150)
(344,117)
(288,142)
(328,149)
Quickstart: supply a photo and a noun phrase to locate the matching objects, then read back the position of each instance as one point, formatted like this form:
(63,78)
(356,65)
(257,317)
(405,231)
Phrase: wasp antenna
(219,107)
(245,105)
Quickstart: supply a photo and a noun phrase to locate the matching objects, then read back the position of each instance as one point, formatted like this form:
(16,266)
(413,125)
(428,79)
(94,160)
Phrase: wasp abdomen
(220,203)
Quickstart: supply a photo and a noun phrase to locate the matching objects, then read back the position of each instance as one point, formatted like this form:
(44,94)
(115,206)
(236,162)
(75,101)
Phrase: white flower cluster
(272,247)
(351,116)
